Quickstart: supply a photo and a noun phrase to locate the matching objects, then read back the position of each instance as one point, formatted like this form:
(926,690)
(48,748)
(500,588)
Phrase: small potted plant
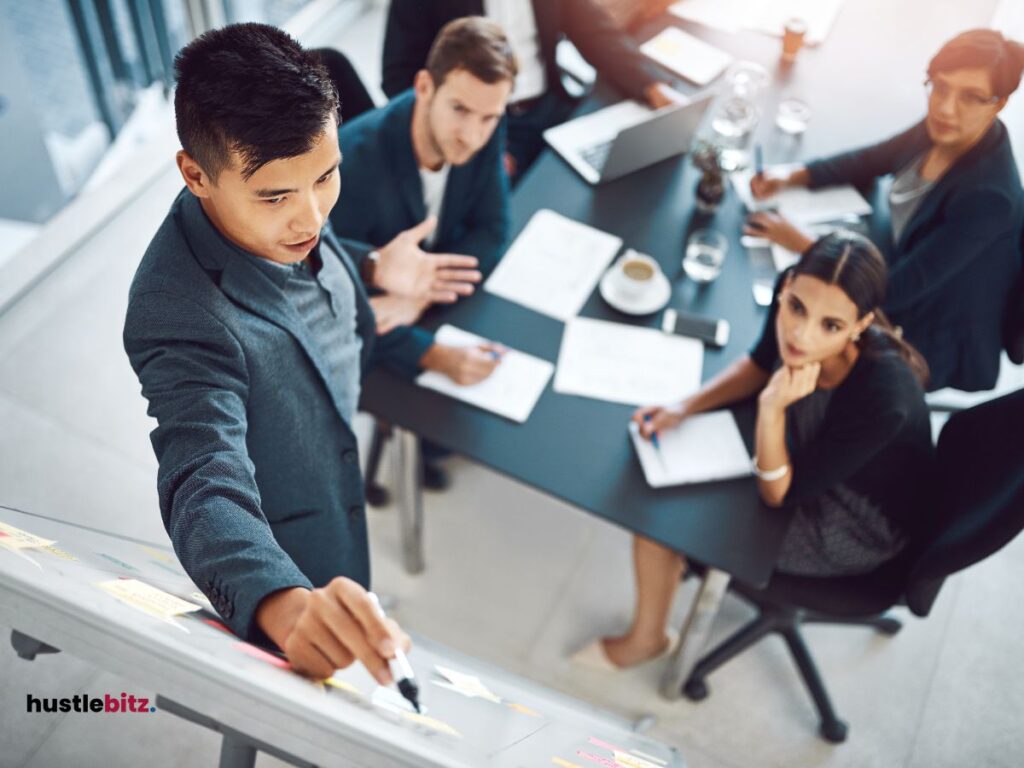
(707,156)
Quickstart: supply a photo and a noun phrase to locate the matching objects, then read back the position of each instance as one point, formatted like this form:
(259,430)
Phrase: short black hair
(251,89)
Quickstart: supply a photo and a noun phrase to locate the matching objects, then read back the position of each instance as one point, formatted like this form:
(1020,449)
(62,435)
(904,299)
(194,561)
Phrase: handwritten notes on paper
(511,391)
(626,363)
(801,205)
(147,599)
(15,538)
(703,448)
(554,265)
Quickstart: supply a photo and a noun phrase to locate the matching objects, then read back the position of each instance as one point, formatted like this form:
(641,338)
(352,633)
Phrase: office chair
(1013,323)
(977,507)
(354,97)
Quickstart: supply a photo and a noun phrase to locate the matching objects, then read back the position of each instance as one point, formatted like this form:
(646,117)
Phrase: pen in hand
(401,670)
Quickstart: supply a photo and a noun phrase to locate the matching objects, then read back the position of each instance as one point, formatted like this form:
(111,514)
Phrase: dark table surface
(863,84)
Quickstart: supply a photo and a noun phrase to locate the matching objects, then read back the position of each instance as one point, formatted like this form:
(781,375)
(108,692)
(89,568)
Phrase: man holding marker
(249,329)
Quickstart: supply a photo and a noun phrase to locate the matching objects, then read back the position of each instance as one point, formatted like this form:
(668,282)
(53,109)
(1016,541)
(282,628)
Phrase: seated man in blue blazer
(249,328)
(430,162)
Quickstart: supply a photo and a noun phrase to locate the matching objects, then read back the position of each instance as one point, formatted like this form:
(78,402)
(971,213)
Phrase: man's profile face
(278,212)
(463,113)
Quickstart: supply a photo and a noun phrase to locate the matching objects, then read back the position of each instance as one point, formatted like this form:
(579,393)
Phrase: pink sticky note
(259,653)
(598,759)
(606,745)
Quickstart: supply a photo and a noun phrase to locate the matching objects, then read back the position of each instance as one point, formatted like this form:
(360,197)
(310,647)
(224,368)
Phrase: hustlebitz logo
(126,703)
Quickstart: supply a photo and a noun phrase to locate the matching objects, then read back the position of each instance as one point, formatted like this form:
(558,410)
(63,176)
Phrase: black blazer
(413,25)
(952,271)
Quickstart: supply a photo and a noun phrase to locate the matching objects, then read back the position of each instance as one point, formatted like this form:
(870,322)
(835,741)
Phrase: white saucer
(655,298)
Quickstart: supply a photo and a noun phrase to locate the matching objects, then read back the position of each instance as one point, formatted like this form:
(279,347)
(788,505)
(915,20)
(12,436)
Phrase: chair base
(785,621)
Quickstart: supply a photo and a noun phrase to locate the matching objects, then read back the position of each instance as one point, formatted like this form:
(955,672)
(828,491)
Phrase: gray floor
(512,577)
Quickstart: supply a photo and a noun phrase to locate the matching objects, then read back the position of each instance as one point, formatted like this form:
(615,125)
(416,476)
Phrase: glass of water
(737,112)
(792,116)
(705,253)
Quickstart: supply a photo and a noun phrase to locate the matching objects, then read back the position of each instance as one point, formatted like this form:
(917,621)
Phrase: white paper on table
(768,16)
(804,206)
(686,55)
(627,364)
(554,264)
(717,14)
(511,391)
(703,448)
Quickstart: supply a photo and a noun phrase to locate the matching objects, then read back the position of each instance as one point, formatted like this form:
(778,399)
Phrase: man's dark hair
(252,89)
(476,45)
(983,48)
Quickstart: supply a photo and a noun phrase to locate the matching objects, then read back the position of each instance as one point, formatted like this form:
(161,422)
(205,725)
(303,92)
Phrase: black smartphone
(713,332)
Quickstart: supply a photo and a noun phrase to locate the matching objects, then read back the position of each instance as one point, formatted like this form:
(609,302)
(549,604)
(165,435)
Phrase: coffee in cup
(636,274)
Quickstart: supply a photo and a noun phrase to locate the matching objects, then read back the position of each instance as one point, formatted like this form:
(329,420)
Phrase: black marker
(401,670)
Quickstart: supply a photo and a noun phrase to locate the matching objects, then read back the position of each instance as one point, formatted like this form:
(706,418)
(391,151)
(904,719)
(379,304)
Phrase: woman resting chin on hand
(842,437)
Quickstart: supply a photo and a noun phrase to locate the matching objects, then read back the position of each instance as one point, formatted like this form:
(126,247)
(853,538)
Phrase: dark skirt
(840,532)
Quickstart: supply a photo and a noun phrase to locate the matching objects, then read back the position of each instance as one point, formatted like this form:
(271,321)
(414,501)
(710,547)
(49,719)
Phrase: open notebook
(703,448)
(804,206)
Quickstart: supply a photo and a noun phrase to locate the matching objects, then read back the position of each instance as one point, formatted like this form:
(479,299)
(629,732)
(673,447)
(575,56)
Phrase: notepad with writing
(686,55)
(804,206)
(511,391)
(703,448)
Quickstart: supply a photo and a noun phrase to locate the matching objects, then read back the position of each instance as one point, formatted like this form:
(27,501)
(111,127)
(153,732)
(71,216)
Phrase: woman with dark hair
(843,436)
(956,209)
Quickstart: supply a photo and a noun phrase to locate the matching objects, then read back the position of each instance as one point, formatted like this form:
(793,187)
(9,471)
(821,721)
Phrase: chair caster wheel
(695,690)
(377,495)
(834,731)
(888,626)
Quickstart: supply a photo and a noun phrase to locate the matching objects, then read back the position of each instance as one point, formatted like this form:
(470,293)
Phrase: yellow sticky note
(341,685)
(632,761)
(563,763)
(56,552)
(15,538)
(523,710)
(159,554)
(431,722)
(148,599)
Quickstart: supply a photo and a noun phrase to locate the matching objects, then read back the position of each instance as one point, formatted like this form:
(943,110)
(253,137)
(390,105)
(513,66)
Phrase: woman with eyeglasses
(956,209)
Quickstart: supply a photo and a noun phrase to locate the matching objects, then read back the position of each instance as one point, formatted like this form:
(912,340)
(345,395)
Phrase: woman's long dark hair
(853,264)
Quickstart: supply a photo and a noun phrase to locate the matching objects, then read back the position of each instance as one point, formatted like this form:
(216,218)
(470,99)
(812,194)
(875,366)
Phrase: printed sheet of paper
(804,206)
(627,364)
(511,391)
(467,685)
(686,55)
(554,265)
(15,538)
(703,448)
(148,599)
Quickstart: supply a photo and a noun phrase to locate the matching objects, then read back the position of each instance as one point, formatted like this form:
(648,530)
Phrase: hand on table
(658,418)
(407,270)
(778,229)
(464,365)
(322,630)
(660,95)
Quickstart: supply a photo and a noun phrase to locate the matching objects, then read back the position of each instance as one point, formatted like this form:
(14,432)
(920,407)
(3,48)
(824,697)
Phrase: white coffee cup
(636,274)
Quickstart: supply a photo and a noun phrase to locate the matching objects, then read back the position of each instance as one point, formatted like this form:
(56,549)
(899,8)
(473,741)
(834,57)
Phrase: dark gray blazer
(259,481)
(951,272)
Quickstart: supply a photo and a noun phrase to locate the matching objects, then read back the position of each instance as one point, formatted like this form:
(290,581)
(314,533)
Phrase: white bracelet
(770,474)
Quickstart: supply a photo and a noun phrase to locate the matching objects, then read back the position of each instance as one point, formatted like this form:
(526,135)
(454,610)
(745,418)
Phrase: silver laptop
(626,137)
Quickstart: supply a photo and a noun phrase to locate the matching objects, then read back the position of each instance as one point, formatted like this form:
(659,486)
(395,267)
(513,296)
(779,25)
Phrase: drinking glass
(705,253)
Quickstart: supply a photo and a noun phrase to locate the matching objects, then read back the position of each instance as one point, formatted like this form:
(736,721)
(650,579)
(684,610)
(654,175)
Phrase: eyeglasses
(966,100)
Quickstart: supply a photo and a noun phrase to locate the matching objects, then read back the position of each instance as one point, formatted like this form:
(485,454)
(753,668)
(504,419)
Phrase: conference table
(863,84)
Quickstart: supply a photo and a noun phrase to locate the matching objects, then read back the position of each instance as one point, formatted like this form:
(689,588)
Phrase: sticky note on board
(563,763)
(523,710)
(15,538)
(633,761)
(147,599)
(467,685)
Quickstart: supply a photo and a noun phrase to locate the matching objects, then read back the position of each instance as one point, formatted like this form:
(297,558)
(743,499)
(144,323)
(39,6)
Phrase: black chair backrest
(979,494)
(355,99)
(1013,322)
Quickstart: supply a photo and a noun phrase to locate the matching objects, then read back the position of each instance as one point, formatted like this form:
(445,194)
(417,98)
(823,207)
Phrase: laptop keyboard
(597,155)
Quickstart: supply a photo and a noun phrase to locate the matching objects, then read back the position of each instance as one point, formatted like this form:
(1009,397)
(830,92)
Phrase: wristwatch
(368,269)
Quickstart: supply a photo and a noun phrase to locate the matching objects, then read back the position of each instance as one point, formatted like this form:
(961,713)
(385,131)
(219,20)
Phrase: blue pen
(656,443)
